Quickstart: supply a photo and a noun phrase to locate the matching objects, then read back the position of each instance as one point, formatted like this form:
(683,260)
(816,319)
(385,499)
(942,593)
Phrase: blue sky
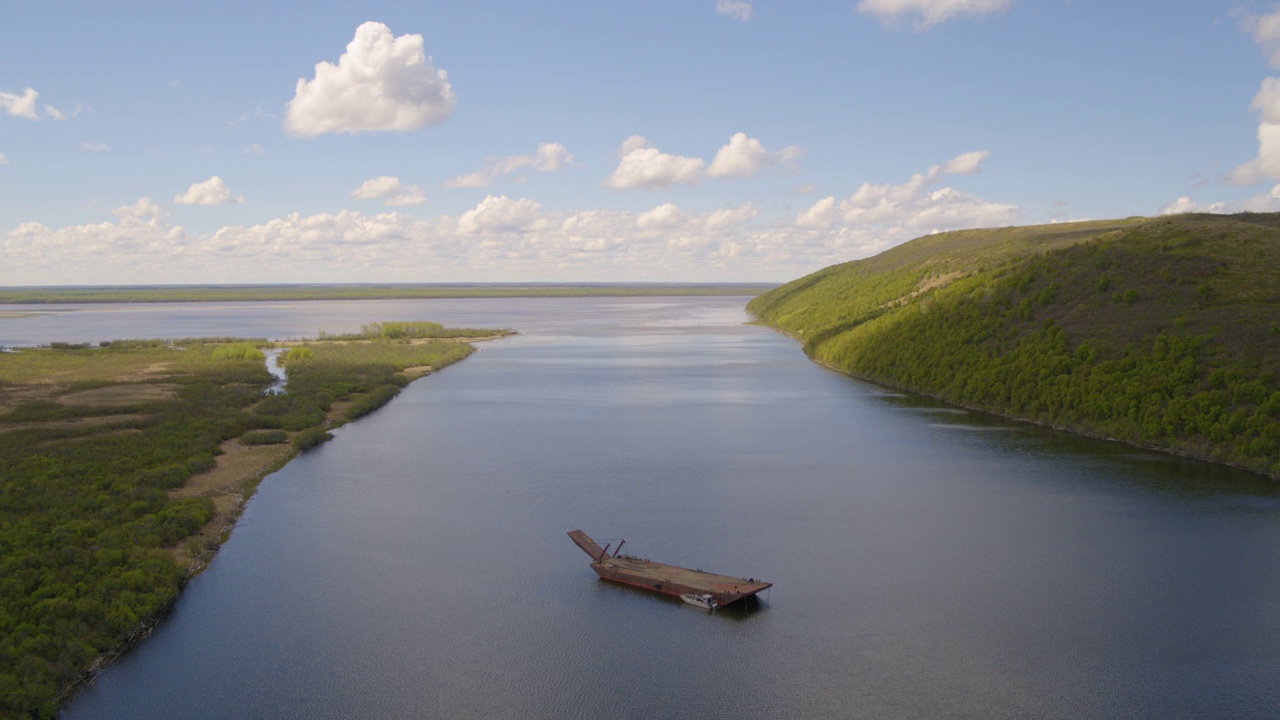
(699,140)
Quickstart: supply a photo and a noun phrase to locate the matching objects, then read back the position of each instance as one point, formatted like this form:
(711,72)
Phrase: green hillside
(1160,332)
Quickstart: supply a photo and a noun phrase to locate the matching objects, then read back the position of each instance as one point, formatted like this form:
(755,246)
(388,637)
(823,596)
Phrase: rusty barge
(663,578)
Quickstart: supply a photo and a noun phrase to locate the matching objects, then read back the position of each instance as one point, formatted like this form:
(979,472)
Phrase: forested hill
(1162,332)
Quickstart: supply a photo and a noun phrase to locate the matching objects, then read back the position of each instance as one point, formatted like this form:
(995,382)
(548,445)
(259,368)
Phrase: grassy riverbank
(1159,332)
(237,293)
(124,467)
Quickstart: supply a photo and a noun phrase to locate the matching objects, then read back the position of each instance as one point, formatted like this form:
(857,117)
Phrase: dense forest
(99,450)
(1159,332)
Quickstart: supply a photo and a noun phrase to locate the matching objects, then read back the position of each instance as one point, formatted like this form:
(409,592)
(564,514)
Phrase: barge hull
(663,578)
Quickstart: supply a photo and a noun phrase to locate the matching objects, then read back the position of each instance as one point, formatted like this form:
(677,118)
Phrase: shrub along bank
(96,539)
(1163,332)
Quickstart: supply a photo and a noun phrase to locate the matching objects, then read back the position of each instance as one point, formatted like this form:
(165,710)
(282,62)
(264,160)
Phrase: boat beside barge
(706,602)
(663,578)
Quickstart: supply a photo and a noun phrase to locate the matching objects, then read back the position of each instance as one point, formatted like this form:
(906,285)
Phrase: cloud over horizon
(486,243)
(549,157)
(210,192)
(390,190)
(1261,203)
(641,165)
(744,157)
(502,237)
(914,206)
(143,208)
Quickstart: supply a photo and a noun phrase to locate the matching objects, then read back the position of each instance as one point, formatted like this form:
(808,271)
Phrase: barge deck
(663,578)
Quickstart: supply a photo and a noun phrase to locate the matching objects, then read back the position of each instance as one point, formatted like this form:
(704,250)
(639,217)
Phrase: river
(927,561)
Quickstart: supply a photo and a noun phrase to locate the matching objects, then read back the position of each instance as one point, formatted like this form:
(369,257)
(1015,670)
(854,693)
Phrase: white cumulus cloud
(500,214)
(549,157)
(23,106)
(210,192)
(914,207)
(378,187)
(410,195)
(381,82)
(501,239)
(94,147)
(642,166)
(92,252)
(1266,166)
(739,10)
(1265,31)
(821,214)
(1267,101)
(928,13)
(665,216)
(950,209)
(390,190)
(142,209)
(967,164)
(1262,203)
(1185,204)
(727,219)
(744,157)
(3,159)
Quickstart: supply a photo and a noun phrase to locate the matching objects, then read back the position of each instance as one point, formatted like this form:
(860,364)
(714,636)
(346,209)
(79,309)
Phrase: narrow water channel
(927,562)
(272,360)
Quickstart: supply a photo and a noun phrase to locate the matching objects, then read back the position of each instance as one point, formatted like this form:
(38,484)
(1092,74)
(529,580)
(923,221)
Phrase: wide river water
(928,562)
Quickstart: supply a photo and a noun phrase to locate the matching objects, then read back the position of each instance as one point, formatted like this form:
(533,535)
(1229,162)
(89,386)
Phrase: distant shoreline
(388,291)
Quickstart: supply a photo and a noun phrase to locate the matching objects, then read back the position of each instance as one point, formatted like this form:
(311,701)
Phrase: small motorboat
(706,602)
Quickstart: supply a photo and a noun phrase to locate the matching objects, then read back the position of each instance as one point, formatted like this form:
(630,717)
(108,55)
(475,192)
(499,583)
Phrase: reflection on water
(1152,469)
(417,565)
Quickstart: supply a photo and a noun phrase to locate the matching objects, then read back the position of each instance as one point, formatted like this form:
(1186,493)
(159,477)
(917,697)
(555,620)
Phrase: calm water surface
(928,562)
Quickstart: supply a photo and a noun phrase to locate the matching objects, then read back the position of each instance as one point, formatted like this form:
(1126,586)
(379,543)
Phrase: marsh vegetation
(124,464)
